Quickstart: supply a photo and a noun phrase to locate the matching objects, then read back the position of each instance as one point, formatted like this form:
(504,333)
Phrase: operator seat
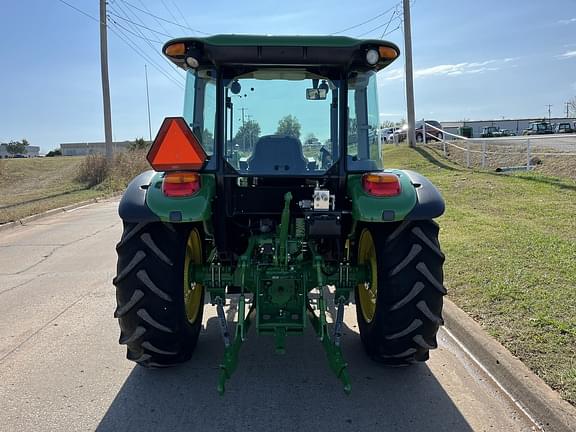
(277,154)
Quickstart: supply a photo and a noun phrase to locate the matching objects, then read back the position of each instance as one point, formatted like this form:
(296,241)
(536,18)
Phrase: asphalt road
(61,368)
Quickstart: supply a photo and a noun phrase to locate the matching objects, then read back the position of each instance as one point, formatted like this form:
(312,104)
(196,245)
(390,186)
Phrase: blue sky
(473,60)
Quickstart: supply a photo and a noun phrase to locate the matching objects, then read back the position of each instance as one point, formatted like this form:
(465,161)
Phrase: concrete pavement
(61,368)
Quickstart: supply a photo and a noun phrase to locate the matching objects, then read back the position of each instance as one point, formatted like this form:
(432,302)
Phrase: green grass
(30,186)
(510,244)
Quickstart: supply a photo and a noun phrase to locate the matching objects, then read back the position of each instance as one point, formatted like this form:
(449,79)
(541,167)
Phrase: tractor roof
(335,51)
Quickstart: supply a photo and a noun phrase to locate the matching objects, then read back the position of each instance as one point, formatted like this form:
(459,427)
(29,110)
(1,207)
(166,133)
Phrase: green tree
(53,153)
(311,140)
(138,144)
(289,125)
(248,134)
(17,147)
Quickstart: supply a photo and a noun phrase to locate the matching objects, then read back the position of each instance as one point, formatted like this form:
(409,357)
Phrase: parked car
(538,128)
(432,132)
(388,134)
(398,135)
(563,128)
(507,132)
(490,132)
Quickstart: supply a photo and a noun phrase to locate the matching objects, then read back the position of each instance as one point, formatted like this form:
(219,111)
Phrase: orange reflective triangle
(176,147)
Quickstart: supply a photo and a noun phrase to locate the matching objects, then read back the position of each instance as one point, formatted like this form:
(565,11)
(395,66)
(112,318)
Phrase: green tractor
(270,192)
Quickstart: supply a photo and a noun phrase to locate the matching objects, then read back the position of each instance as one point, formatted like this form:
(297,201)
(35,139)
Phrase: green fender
(197,208)
(418,200)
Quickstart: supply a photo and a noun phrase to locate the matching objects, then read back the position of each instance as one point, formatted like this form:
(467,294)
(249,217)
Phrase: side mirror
(316,93)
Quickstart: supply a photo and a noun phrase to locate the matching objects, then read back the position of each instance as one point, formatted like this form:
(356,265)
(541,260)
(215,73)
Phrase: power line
(131,32)
(130,44)
(169,11)
(127,12)
(389,21)
(374,29)
(182,15)
(148,10)
(160,18)
(172,65)
(398,27)
(140,25)
(367,21)
(135,47)
(80,11)
(142,54)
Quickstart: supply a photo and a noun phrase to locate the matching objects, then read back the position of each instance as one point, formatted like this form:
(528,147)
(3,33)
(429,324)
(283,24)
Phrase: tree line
(17,147)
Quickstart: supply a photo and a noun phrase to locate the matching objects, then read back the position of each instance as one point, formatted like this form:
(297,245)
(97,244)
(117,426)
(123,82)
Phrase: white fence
(504,153)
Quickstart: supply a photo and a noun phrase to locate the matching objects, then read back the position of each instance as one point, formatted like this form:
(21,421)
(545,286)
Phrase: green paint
(368,208)
(197,208)
(288,40)
(284,226)
(230,361)
(281,279)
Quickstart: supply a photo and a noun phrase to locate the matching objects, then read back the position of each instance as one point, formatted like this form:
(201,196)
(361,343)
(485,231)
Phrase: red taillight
(180,184)
(381,184)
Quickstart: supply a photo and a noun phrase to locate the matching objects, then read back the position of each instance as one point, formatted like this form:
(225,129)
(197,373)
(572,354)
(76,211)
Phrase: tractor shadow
(291,392)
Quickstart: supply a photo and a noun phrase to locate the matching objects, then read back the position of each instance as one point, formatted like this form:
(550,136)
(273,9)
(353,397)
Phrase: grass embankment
(34,185)
(510,245)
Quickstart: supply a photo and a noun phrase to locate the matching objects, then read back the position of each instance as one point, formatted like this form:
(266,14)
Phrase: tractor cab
(283,106)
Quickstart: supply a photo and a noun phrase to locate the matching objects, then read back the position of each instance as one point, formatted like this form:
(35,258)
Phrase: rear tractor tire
(400,309)
(159,308)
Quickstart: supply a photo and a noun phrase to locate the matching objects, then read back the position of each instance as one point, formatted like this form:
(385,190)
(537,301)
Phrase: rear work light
(180,184)
(381,184)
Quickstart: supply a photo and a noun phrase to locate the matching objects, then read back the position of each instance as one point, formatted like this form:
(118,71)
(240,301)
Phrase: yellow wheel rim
(368,292)
(192,290)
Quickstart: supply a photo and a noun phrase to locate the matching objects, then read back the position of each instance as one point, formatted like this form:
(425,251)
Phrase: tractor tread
(423,307)
(402,354)
(418,286)
(416,249)
(403,225)
(422,268)
(420,234)
(152,348)
(129,234)
(132,337)
(138,257)
(145,279)
(410,293)
(413,326)
(122,310)
(143,313)
(147,240)
(419,339)
(150,295)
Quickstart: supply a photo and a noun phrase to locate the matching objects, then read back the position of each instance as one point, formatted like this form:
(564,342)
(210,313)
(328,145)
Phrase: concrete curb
(10,225)
(527,390)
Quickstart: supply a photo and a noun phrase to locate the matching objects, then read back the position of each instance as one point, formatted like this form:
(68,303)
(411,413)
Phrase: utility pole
(549,116)
(148,101)
(105,81)
(411,133)
(567,109)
